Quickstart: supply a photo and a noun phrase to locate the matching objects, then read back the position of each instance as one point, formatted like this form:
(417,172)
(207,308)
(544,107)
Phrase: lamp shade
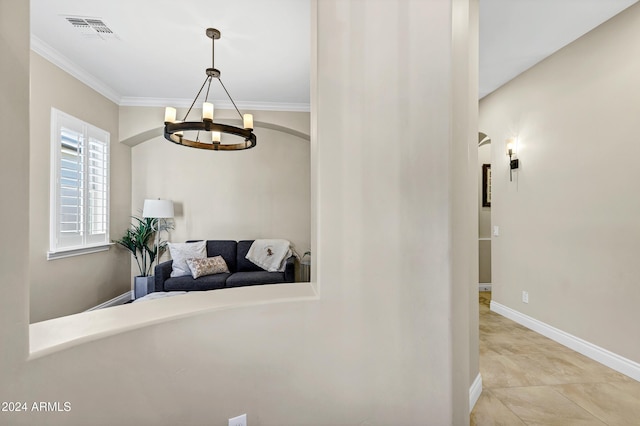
(158,208)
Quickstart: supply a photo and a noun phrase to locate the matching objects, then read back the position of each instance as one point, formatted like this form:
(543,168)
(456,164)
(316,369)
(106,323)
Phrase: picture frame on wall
(486,185)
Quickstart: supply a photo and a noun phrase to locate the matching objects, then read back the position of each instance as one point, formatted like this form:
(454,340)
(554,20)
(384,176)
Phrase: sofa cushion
(244,264)
(240,279)
(224,248)
(187,283)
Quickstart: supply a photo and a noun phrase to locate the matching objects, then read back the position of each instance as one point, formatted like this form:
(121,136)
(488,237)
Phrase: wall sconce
(511,152)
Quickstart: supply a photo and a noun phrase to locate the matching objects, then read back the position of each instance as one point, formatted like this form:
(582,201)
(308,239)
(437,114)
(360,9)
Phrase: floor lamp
(158,209)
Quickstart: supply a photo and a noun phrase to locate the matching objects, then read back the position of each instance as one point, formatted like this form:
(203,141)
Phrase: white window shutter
(79,184)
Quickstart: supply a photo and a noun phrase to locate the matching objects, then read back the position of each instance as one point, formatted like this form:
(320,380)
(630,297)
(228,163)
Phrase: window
(79,207)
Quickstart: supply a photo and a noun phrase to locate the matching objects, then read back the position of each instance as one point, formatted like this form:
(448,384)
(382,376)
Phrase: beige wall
(569,221)
(14,186)
(484,219)
(71,285)
(388,341)
(484,260)
(464,214)
(263,192)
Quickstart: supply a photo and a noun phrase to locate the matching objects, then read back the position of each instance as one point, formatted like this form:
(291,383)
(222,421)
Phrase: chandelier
(211,132)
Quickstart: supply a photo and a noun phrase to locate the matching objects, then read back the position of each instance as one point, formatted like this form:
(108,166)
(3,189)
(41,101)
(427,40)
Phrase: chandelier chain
(197,96)
(230,98)
(206,96)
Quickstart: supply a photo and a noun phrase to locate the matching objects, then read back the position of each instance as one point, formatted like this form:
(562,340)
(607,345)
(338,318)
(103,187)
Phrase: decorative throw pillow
(180,252)
(207,266)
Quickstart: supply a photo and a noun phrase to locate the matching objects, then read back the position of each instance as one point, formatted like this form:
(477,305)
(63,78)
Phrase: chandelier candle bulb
(215,137)
(207,111)
(169,115)
(248,121)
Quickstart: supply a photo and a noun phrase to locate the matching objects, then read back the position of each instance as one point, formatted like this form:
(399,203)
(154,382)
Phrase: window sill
(53,255)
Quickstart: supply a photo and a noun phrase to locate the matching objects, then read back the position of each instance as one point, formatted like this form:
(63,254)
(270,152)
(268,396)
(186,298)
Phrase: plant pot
(143,286)
(305,268)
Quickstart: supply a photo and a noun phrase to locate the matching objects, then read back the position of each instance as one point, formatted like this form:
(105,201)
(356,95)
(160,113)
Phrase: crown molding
(56,58)
(219,103)
(64,63)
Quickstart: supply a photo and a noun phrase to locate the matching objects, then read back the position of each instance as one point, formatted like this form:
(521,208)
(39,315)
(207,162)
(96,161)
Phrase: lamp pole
(158,209)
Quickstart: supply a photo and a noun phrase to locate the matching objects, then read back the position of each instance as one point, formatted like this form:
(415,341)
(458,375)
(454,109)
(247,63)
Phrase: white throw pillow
(180,252)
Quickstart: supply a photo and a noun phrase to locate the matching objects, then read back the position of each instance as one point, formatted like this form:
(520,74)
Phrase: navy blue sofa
(242,272)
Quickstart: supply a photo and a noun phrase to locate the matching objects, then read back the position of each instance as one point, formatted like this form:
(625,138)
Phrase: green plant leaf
(139,240)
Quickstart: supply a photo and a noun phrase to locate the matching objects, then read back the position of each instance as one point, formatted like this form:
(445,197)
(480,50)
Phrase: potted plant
(140,240)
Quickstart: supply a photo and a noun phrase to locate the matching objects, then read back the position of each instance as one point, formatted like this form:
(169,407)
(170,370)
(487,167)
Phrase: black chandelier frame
(173,131)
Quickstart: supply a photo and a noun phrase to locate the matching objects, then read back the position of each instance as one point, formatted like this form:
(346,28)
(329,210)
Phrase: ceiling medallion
(174,130)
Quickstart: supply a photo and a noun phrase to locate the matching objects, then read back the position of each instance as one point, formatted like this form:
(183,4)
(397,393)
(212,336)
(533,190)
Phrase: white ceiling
(160,51)
(517,34)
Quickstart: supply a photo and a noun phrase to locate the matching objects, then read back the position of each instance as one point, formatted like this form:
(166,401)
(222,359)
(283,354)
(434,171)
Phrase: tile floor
(528,379)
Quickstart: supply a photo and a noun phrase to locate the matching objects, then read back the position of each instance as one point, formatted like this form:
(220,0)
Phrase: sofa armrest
(290,270)
(162,272)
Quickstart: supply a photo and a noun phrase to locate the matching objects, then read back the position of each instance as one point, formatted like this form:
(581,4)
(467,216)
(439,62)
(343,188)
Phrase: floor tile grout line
(577,404)
(556,391)
(598,382)
(508,408)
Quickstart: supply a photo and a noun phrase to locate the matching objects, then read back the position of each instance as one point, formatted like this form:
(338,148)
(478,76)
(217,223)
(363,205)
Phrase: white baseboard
(118,300)
(474,392)
(614,361)
(484,287)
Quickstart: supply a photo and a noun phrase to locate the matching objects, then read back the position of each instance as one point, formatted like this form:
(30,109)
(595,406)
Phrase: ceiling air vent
(91,27)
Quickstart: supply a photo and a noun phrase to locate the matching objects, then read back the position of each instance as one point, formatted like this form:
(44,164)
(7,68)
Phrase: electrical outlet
(525,297)
(238,421)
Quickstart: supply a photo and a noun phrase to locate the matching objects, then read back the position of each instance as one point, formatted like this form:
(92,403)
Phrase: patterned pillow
(207,266)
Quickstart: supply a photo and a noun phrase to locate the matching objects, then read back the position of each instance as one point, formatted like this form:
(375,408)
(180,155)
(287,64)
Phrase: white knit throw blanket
(270,255)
